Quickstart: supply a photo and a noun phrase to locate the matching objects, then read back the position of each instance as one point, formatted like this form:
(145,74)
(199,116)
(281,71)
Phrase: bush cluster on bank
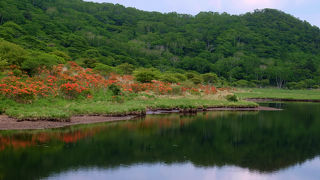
(72,81)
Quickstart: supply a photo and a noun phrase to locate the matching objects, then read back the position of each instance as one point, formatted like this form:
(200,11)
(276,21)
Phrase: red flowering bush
(68,80)
(71,81)
(208,89)
(157,87)
(72,90)
(23,89)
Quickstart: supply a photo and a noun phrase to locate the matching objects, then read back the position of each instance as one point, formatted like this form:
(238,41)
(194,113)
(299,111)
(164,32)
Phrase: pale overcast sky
(308,10)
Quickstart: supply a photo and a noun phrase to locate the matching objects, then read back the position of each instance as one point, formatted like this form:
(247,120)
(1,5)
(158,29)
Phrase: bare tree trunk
(279,82)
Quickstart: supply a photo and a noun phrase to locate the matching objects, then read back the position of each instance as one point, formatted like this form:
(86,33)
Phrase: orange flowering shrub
(72,90)
(68,80)
(208,89)
(157,87)
(24,89)
(71,80)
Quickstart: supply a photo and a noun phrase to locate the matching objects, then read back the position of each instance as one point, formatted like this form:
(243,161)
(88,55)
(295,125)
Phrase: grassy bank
(65,90)
(62,109)
(275,93)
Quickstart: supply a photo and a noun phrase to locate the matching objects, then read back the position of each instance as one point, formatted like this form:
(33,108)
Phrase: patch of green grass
(196,103)
(62,109)
(36,113)
(51,109)
(274,93)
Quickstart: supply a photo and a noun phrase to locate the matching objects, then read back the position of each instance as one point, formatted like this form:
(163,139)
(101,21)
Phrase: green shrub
(36,60)
(11,31)
(3,64)
(12,53)
(296,85)
(222,83)
(103,69)
(191,75)
(232,98)
(196,80)
(210,78)
(301,85)
(89,62)
(180,77)
(252,84)
(61,54)
(114,89)
(244,83)
(91,53)
(291,85)
(309,83)
(17,72)
(265,82)
(125,68)
(169,78)
(146,75)
(176,90)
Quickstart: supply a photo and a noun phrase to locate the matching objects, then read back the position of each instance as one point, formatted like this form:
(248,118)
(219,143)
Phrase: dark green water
(212,145)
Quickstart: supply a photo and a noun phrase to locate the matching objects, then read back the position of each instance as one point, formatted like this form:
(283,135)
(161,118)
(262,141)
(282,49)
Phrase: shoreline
(8,123)
(188,111)
(281,100)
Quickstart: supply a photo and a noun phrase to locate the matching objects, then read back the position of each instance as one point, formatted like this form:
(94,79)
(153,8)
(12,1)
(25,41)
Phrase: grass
(102,104)
(61,109)
(274,93)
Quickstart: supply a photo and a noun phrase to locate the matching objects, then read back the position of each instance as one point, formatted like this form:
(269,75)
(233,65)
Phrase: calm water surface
(212,145)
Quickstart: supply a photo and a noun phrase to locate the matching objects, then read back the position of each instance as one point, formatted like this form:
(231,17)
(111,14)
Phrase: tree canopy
(266,45)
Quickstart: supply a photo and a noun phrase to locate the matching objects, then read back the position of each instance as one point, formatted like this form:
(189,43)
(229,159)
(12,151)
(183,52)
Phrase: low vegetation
(276,93)
(68,89)
(62,109)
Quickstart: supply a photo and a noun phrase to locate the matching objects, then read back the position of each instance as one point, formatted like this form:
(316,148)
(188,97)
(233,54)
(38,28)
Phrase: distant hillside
(267,45)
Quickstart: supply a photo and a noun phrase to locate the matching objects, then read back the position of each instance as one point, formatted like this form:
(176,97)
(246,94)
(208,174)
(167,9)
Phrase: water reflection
(243,144)
(25,139)
(307,171)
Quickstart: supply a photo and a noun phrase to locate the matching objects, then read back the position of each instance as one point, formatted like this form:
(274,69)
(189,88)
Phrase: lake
(210,145)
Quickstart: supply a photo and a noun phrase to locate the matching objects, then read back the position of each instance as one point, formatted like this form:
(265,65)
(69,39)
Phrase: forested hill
(267,45)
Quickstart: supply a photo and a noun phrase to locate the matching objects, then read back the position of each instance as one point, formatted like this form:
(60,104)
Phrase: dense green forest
(262,48)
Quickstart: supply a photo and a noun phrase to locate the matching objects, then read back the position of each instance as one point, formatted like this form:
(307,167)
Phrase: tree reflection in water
(260,141)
